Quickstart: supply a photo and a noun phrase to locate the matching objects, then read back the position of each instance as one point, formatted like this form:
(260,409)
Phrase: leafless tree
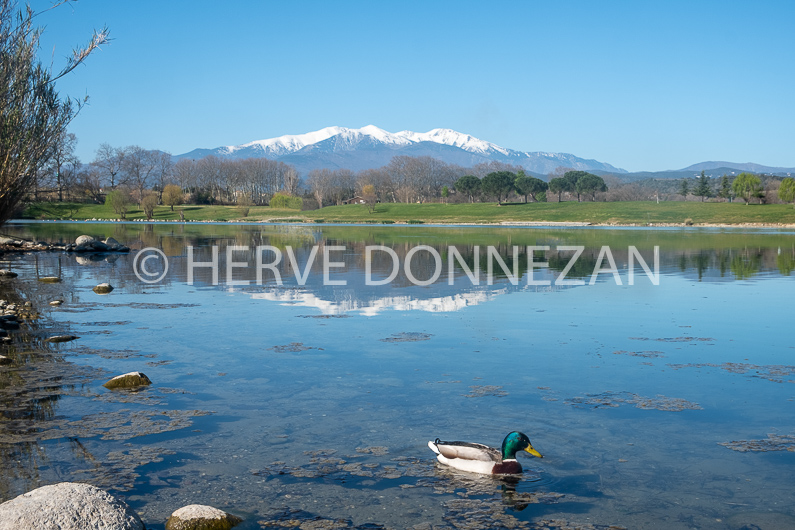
(319,181)
(163,171)
(139,170)
(61,163)
(89,183)
(110,160)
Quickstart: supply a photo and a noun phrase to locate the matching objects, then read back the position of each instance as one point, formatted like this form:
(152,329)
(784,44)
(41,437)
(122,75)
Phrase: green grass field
(619,213)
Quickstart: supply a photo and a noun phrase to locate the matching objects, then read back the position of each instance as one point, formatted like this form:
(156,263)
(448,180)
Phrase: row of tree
(747,186)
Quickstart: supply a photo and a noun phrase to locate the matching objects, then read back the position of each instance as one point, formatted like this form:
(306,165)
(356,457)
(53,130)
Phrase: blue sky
(639,84)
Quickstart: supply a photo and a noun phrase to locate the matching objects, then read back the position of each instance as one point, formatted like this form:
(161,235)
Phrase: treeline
(151,177)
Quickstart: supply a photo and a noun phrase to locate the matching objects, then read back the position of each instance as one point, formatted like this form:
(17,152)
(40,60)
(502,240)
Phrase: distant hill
(695,171)
(371,147)
(749,167)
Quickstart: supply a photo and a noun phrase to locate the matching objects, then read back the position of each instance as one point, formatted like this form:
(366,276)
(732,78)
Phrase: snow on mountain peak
(291,143)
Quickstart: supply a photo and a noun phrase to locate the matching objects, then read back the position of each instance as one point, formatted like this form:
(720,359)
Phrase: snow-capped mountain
(371,147)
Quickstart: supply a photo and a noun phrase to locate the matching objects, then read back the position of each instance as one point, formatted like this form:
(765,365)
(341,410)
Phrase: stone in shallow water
(103,288)
(82,240)
(128,380)
(200,517)
(61,338)
(68,506)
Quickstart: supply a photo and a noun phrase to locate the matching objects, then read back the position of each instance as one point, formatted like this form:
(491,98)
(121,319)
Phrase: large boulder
(84,240)
(200,517)
(68,506)
(128,380)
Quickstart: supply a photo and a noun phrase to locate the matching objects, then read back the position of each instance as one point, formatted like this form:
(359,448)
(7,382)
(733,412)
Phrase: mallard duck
(479,458)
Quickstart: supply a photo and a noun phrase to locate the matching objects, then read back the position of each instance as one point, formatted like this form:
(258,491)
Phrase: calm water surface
(287,403)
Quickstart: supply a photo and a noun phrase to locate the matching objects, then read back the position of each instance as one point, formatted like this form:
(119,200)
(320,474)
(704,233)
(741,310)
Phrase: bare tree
(319,181)
(110,160)
(184,173)
(32,114)
(164,167)
(89,183)
(61,162)
(139,170)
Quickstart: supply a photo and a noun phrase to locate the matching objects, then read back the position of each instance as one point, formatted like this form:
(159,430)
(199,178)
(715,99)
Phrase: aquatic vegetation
(646,354)
(776,373)
(293,347)
(485,390)
(773,442)
(407,336)
(676,339)
(117,469)
(615,399)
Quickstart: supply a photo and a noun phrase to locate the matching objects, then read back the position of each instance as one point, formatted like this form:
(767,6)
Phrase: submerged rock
(9,322)
(5,360)
(103,288)
(61,338)
(200,517)
(5,273)
(128,380)
(68,506)
(56,302)
(50,279)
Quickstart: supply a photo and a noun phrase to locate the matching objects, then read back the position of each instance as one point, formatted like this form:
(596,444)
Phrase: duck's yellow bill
(533,452)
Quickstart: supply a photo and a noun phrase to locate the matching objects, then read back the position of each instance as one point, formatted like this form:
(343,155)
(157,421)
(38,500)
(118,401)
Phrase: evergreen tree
(725,188)
(684,189)
(703,189)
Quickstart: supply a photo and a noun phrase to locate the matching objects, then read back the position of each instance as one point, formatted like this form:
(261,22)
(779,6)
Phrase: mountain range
(371,147)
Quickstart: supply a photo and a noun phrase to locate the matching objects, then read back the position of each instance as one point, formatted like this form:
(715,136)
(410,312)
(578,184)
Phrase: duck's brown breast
(507,467)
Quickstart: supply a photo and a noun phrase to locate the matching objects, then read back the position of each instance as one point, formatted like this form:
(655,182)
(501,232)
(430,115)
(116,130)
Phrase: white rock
(68,506)
(82,240)
(200,516)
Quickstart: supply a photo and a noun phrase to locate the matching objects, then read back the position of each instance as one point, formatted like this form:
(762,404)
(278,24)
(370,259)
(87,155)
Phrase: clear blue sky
(639,84)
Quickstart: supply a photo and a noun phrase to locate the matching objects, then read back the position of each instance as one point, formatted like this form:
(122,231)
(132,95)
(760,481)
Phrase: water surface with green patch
(303,404)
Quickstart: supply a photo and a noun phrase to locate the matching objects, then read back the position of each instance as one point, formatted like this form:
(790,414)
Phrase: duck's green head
(515,442)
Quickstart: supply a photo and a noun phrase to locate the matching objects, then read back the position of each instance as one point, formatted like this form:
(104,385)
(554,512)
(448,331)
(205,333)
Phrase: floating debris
(774,442)
(408,336)
(615,399)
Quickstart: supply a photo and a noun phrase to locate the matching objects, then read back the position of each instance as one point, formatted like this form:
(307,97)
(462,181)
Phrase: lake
(295,396)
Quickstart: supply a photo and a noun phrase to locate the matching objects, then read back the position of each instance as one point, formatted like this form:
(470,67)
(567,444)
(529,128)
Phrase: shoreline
(505,224)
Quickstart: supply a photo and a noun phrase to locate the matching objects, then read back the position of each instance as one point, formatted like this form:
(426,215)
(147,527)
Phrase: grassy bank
(619,213)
